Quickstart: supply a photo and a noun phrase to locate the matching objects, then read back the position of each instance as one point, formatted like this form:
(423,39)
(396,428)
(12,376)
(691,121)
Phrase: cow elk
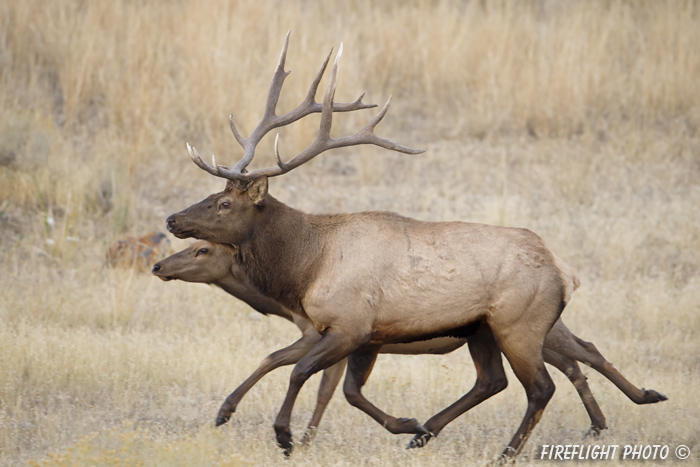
(220,265)
(369,279)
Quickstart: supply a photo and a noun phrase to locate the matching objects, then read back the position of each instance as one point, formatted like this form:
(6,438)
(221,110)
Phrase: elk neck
(247,293)
(283,253)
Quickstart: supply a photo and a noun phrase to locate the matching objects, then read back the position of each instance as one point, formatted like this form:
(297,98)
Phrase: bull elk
(220,265)
(369,279)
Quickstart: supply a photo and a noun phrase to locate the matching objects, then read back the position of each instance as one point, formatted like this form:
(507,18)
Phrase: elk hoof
(503,459)
(507,457)
(420,440)
(284,440)
(651,396)
(594,432)
(407,425)
(221,419)
(309,436)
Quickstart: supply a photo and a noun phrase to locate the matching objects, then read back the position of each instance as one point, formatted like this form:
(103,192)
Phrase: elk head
(200,262)
(223,217)
(231,215)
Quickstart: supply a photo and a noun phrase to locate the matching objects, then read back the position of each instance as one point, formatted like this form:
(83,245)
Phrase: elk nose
(170,223)
(156,268)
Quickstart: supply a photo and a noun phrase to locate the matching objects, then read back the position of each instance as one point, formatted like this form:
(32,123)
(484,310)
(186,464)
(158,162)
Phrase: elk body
(220,265)
(365,280)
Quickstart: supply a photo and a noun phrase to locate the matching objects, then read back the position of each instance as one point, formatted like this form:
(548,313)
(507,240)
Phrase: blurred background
(578,120)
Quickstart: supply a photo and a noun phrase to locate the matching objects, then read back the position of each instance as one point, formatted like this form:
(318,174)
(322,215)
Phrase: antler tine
(236,134)
(367,136)
(277,81)
(280,164)
(327,112)
(386,143)
(311,94)
(198,160)
(214,168)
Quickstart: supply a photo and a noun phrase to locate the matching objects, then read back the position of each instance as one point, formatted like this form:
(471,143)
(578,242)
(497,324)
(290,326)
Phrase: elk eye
(225,205)
(204,251)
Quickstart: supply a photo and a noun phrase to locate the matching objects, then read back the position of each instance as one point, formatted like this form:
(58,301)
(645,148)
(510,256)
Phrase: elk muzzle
(176,228)
(170,222)
(157,269)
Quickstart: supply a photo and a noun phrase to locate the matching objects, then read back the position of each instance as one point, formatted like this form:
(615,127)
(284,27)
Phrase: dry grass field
(578,120)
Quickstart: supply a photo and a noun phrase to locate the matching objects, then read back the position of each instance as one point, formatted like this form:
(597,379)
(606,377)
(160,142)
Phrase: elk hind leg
(572,371)
(587,353)
(524,353)
(490,379)
(360,364)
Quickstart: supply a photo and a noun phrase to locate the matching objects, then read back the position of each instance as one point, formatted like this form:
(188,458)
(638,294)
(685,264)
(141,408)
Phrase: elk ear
(258,189)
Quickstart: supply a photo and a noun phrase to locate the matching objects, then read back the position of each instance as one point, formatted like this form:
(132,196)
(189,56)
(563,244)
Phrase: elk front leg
(329,381)
(360,364)
(287,356)
(333,347)
(490,379)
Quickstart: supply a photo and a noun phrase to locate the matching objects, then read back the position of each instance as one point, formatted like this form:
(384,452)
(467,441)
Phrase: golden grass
(578,120)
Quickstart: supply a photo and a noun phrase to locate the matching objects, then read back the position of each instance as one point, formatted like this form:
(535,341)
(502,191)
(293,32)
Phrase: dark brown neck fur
(283,254)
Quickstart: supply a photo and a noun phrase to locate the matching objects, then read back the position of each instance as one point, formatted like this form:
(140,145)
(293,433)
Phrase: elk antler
(323,141)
